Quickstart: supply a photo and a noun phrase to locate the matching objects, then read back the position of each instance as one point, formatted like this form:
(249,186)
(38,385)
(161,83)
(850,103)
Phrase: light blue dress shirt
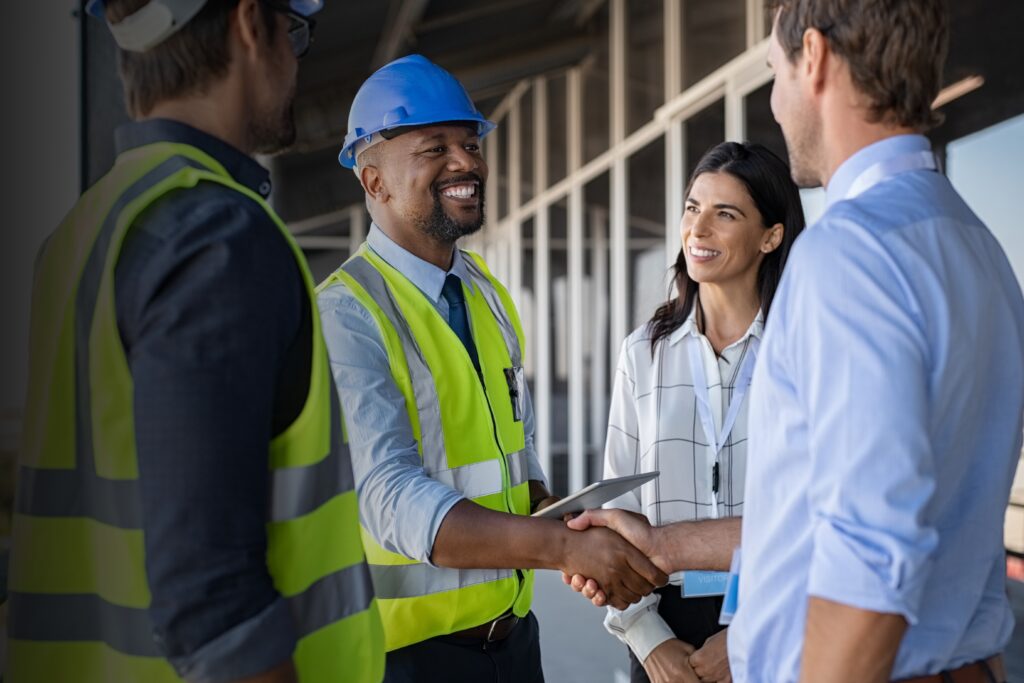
(885,426)
(399,504)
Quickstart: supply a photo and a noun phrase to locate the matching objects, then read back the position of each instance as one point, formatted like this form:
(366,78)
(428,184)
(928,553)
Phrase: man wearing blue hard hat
(427,351)
(185,507)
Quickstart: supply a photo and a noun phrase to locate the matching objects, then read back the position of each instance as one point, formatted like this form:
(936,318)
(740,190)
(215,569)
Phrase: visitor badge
(697,584)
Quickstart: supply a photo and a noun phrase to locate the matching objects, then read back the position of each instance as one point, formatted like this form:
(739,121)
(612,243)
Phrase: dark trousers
(516,659)
(693,620)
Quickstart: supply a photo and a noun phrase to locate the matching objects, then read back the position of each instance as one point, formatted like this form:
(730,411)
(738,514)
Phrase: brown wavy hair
(769,184)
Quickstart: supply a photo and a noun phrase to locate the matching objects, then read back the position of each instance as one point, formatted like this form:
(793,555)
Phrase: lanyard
(700,385)
(883,170)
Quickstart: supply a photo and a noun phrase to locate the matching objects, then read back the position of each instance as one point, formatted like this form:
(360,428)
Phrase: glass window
(557,128)
(645,62)
(985,169)
(527,305)
(701,132)
(760,123)
(713,32)
(500,188)
(596,84)
(558,332)
(597,346)
(526,188)
(647,230)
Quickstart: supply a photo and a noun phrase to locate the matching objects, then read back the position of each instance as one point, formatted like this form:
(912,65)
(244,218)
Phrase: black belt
(492,631)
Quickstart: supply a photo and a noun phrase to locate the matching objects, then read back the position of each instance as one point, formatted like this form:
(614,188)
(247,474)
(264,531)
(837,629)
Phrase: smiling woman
(740,203)
(678,405)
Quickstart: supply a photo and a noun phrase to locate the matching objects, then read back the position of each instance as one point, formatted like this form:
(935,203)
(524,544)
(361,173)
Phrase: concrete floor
(576,649)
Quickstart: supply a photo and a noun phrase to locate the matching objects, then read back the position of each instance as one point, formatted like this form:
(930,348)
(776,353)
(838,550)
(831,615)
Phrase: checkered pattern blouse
(654,425)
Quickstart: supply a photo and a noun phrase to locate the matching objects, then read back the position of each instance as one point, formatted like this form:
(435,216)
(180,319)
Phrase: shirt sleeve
(399,504)
(622,446)
(533,468)
(209,301)
(860,361)
(639,626)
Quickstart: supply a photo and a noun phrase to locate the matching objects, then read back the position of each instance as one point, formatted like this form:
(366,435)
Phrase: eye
(472,147)
(726,215)
(690,208)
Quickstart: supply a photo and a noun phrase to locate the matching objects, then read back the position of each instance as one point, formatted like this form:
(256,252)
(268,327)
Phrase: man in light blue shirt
(886,408)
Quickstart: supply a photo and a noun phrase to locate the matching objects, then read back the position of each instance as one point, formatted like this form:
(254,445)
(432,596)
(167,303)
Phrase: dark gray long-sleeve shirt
(216,326)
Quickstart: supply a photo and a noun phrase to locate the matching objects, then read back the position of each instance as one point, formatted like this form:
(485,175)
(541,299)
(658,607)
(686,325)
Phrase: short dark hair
(895,49)
(767,180)
(187,63)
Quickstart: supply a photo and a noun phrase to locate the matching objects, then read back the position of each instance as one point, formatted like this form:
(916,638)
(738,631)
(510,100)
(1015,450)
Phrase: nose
(461,159)
(700,226)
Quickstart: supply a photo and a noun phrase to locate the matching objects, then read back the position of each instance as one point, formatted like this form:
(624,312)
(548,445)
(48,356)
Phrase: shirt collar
(242,167)
(844,177)
(427,277)
(689,327)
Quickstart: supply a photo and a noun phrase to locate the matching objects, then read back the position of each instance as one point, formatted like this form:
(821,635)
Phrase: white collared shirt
(654,424)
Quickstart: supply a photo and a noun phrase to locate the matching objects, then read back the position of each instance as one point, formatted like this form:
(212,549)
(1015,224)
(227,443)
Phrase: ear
(247,26)
(372,180)
(815,55)
(773,238)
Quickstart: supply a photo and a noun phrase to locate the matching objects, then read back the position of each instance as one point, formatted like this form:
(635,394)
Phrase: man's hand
(624,573)
(540,493)
(633,527)
(669,663)
(711,662)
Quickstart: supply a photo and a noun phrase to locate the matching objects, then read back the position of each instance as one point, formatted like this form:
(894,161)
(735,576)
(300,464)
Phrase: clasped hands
(672,660)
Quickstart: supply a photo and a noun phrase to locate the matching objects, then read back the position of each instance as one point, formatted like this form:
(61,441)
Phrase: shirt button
(264,188)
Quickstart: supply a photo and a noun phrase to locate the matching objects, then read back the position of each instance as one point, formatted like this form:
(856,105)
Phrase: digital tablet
(595,495)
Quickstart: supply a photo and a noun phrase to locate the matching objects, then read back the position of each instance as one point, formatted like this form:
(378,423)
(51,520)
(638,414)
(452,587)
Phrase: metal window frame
(502,240)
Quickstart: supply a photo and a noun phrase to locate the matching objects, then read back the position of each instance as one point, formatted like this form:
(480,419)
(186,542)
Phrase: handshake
(616,560)
(631,558)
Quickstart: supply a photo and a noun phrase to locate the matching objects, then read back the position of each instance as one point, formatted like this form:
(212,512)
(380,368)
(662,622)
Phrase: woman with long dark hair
(678,404)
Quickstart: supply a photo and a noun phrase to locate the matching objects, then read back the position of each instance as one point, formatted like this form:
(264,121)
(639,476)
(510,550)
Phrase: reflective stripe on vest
(418,601)
(78,593)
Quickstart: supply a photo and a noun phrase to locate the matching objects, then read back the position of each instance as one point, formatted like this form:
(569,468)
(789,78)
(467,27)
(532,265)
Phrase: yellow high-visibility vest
(468,436)
(78,588)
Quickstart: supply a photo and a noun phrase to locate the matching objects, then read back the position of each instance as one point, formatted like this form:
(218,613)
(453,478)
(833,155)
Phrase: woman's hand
(669,663)
(711,662)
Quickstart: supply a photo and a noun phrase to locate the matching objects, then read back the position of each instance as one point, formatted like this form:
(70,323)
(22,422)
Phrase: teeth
(703,253)
(459,191)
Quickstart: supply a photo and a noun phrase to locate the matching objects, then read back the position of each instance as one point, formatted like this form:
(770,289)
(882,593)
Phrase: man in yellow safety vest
(427,352)
(185,506)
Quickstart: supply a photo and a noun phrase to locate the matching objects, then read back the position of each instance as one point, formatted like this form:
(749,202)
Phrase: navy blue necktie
(457,319)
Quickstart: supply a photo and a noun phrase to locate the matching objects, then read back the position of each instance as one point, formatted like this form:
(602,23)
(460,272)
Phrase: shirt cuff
(639,626)
(444,506)
(861,569)
(647,632)
(252,647)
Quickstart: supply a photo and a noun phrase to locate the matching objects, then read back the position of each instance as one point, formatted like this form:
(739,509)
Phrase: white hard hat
(158,20)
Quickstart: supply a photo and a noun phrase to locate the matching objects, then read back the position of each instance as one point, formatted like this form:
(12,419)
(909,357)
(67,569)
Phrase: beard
(445,228)
(273,132)
(803,142)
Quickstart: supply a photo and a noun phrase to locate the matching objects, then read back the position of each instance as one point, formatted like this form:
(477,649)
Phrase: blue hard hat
(410,91)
